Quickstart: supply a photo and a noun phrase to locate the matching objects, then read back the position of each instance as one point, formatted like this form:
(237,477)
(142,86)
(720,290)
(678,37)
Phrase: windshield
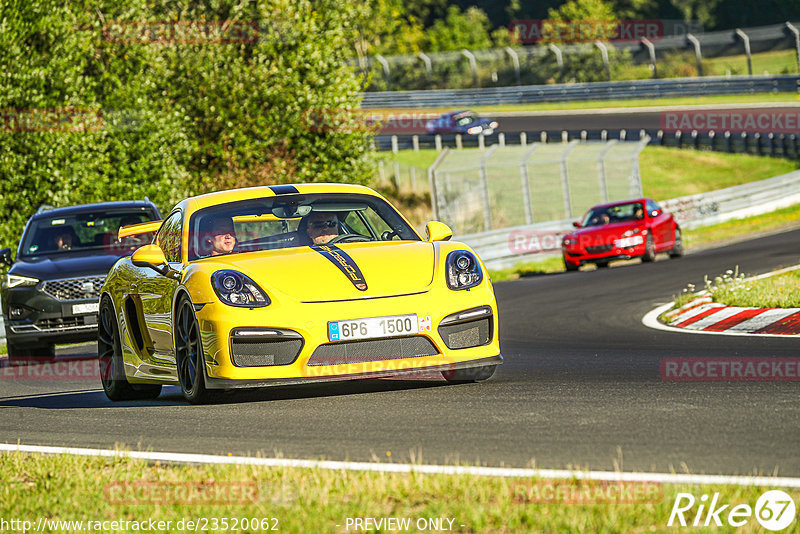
(294,221)
(633,211)
(85,231)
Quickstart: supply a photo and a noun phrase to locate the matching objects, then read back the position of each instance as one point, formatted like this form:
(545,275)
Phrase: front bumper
(46,320)
(310,320)
(581,255)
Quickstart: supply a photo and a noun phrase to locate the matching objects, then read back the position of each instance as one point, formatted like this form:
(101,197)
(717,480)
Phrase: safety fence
(662,56)
(507,186)
(508,246)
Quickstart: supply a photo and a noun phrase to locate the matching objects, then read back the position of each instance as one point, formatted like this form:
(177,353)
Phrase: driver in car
(222,236)
(321,227)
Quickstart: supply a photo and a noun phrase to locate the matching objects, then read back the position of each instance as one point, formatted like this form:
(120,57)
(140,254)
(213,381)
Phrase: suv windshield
(633,211)
(85,231)
(294,221)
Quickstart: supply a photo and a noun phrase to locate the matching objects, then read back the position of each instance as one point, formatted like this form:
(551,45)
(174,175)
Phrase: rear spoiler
(141,228)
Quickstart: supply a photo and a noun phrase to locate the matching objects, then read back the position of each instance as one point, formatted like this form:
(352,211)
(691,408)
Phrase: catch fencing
(535,64)
(508,186)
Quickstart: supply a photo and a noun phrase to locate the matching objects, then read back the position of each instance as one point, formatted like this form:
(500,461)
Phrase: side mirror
(576,224)
(437,231)
(153,257)
(5,256)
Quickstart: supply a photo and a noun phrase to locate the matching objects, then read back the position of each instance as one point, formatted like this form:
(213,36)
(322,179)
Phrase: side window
(651,207)
(169,237)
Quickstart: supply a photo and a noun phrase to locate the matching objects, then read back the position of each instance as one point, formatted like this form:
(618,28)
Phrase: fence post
(428,69)
(472,65)
(515,61)
(565,178)
(415,142)
(459,144)
(604,51)
(601,168)
(487,207)
(651,49)
(501,139)
(559,59)
(526,191)
(697,52)
(432,180)
(437,142)
(523,138)
(746,40)
(386,71)
(796,33)
(636,173)
(395,148)
(481,141)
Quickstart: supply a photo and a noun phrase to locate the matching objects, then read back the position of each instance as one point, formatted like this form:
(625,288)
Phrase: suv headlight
(463,270)
(12,280)
(235,289)
(634,231)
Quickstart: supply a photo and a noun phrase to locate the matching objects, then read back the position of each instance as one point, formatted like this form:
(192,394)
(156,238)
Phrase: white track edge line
(667,478)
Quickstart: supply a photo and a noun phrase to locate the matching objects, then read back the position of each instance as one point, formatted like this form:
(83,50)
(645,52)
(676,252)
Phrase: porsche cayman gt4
(289,284)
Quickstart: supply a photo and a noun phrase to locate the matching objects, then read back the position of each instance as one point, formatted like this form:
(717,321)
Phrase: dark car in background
(461,122)
(622,230)
(50,293)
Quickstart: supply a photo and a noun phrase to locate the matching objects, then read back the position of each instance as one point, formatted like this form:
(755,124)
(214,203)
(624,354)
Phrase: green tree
(702,10)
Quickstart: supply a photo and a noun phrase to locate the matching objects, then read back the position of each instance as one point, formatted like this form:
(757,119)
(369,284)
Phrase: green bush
(170,117)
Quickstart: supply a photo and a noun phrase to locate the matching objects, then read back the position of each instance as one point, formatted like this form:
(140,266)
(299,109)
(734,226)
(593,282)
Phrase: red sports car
(620,231)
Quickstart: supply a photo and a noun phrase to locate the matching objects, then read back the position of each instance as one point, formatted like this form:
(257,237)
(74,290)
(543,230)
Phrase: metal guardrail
(504,248)
(457,98)
(756,143)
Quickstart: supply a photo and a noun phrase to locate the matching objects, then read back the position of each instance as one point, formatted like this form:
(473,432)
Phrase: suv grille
(66,322)
(73,288)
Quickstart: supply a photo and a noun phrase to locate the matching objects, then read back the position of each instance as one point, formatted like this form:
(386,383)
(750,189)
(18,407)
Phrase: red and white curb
(702,316)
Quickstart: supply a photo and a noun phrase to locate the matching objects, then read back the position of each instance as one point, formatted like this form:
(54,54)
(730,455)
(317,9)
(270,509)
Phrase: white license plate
(372,327)
(91,307)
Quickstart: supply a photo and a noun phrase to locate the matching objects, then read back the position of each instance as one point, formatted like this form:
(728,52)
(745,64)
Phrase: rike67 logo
(775,510)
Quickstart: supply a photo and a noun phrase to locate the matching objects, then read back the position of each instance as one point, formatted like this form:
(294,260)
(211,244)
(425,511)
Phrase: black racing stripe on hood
(345,263)
(283,189)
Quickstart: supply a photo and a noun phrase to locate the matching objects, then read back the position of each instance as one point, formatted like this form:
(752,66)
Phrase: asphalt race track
(580,387)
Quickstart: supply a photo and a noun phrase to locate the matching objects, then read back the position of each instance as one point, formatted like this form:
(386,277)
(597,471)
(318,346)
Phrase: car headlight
(235,289)
(12,280)
(463,270)
(569,241)
(475,130)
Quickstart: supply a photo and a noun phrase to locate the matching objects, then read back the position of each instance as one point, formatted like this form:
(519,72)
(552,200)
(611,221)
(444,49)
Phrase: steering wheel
(348,237)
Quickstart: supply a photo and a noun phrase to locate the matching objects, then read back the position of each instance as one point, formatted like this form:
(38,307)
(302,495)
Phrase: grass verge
(779,291)
(315,500)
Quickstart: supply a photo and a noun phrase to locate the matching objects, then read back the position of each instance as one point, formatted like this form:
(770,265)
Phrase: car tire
(109,356)
(649,250)
(677,249)
(471,374)
(189,354)
(569,266)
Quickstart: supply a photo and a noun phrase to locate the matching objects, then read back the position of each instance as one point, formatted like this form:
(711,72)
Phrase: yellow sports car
(289,284)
